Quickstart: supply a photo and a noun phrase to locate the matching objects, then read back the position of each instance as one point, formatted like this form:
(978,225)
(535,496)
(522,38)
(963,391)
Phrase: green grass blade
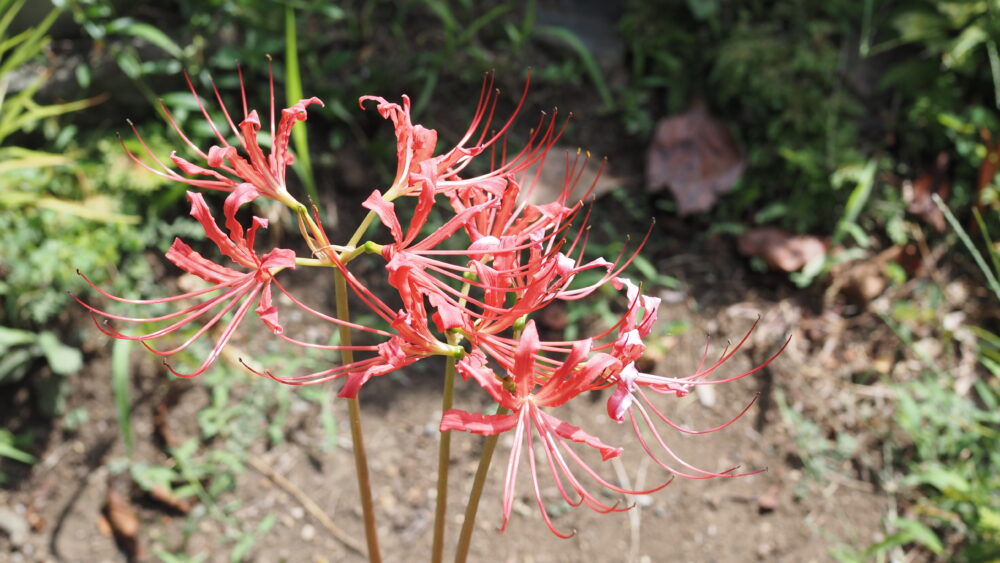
(33,43)
(588,60)
(426,93)
(482,21)
(990,248)
(149,33)
(120,355)
(9,451)
(857,200)
(964,237)
(293,91)
(9,10)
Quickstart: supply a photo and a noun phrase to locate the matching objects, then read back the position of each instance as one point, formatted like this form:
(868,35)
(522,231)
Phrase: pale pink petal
(484,424)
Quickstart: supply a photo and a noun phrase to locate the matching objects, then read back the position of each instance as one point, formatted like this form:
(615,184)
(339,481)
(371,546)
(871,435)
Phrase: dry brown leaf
(161,414)
(35,520)
(781,250)
(988,168)
(103,526)
(862,280)
(167,498)
(695,156)
(124,523)
(918,195)
(770,500)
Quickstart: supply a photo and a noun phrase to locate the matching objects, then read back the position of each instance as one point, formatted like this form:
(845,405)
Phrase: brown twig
(307,503)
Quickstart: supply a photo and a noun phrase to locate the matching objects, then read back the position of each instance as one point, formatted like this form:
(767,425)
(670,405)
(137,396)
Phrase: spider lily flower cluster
(468,290)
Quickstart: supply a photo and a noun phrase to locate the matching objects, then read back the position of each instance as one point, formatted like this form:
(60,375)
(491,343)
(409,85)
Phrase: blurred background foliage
(842,107)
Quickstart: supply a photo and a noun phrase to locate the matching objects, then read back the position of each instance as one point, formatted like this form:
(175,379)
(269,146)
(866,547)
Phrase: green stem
(444,458)
(360,232)
(444,451)
(465,536)
(357,438)
(313,230)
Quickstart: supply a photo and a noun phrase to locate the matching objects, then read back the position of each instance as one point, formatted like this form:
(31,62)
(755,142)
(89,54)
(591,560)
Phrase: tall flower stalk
(468,289)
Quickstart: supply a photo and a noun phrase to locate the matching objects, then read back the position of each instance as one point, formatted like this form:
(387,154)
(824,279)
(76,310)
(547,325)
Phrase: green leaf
(771,212)
(920,533)
(909,531)
(920,26)
(10,337)
(149,476)
(293,91)
(63,359)
(856,202)
(18,158)
(128,26)
(970,38)
(9,450)
(246,541)
(14,364)
(96,208)
(940,478)
(649,271)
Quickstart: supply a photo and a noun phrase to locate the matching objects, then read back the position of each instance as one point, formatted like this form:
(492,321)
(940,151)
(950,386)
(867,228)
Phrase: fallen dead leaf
(769,500)
(34,519)
(988,168)
(918,193)
(861,281)
(124,523)
(696,157)
(103,526)
(780,249)
(167,498)
(161,414)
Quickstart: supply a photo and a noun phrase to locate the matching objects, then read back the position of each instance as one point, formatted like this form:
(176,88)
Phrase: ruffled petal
(244,193)
(386,211)
(280,157)
(200,211)
(267,312)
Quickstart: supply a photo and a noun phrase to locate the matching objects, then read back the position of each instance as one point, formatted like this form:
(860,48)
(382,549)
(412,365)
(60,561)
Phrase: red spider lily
(630,398)
(513,265)
(227,168)
(410,339)
(525,394)
(235,291)
(417,165)
(411,342)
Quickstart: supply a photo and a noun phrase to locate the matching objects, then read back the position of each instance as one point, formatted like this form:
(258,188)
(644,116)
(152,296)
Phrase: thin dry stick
(634,515)
(307,503)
